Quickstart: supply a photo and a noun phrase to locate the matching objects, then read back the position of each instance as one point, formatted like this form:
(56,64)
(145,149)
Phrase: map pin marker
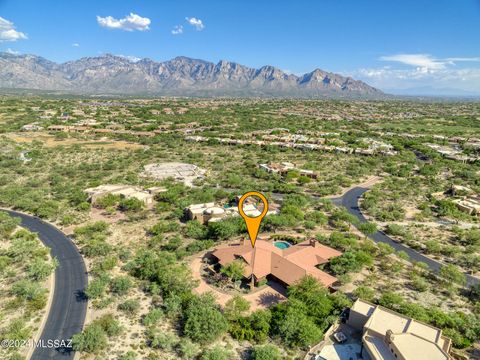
(253,223)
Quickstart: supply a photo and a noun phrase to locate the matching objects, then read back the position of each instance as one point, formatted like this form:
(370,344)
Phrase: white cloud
(457,59)
(129,23)
(454,79)
(13,52)
(8,32)
(426,63)
(177,30)
(455,75)
(75,44)
(421,61)
(197,23)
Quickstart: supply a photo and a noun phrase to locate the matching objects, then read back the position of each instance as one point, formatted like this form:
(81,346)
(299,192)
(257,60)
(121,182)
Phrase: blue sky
(428,46)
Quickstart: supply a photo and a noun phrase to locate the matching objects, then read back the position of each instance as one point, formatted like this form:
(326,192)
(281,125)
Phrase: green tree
(294,327)
(350,261)
(225,229)
(311,292)
(92,340)
(368,228)
(234,271)
(203,321)
(195,230)
(162,268)
(236,307)
(390,300)
(451,274)
(260,323)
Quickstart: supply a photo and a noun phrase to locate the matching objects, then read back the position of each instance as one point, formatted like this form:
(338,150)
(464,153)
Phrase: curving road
(350,201)
(69,306)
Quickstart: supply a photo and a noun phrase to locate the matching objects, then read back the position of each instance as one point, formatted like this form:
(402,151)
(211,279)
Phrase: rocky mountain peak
(181,75)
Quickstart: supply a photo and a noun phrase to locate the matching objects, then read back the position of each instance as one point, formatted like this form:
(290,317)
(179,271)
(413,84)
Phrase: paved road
(69,307)
(350,201)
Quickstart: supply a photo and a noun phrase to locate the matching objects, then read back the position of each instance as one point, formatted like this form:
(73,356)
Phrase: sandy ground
(50,141)
(261,299)
(368,183)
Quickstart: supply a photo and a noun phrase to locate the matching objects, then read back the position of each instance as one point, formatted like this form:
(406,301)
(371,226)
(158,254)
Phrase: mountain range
(181,76)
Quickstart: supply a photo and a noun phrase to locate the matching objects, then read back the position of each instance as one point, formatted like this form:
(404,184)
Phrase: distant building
(87,122)
(287,266)
(376,147)
(211,212)
(32,127)
(78,129)
(459,190)
(452,152)
(187,125)
(154,190)
(204,213)
(78,112)
(124,191)
(284,167)
(57,128)
(388,335)
(469,204)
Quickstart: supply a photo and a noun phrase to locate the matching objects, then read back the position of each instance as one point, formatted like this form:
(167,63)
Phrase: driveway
(69,307)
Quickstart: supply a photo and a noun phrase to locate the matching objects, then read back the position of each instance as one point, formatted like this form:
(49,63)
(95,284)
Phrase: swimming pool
(281,244)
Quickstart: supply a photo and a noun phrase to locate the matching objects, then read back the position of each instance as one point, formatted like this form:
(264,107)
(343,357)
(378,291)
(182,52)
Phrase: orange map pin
(253,223)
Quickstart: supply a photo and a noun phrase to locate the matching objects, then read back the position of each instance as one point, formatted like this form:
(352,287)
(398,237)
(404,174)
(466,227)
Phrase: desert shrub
(121,285)
(216,353)
(153,317)
(266,352)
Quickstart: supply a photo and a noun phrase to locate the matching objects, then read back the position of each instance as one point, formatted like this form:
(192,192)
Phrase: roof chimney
(389,336)
(313,242)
